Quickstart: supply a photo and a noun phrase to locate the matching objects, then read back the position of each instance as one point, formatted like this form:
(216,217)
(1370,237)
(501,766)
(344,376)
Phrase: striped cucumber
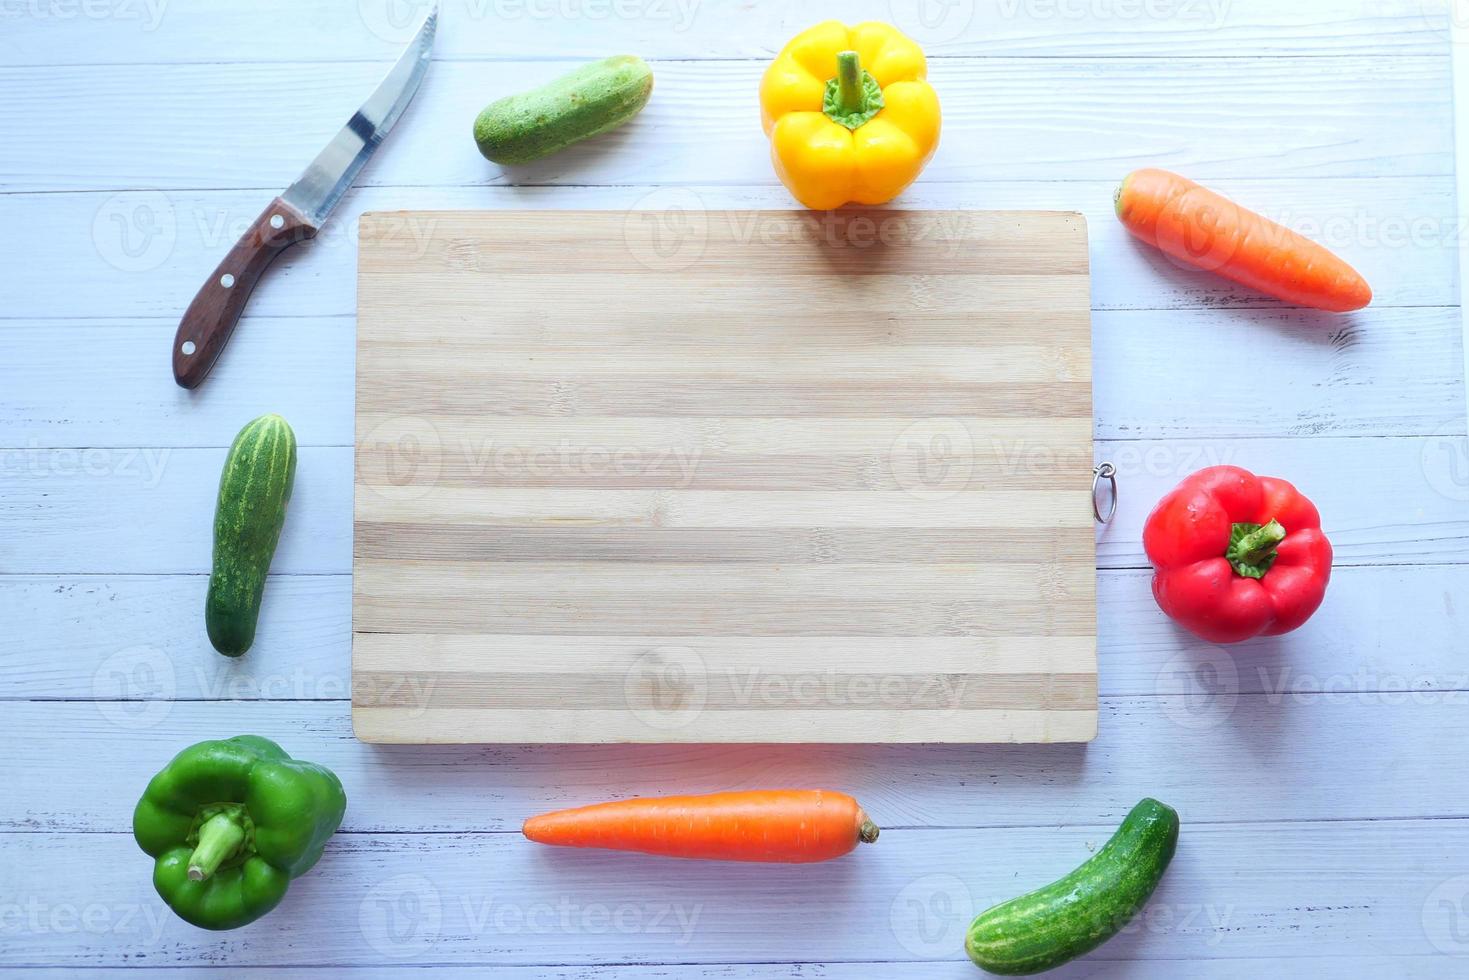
(590,100)
(1075,915)
(253,491)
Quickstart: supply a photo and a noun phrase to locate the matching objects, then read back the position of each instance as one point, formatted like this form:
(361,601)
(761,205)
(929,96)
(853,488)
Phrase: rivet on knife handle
(211,317)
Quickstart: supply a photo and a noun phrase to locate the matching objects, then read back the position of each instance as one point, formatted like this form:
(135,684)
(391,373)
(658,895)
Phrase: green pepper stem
(850,97)
(219,839)
(1259,544)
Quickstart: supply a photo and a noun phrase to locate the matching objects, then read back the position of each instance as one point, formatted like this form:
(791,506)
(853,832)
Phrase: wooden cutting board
(723,477)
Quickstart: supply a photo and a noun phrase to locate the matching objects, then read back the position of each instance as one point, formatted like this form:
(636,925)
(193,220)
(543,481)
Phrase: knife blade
(297,214)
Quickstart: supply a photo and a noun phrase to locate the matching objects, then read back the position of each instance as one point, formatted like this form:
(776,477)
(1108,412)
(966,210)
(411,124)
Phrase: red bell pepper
(1237,555)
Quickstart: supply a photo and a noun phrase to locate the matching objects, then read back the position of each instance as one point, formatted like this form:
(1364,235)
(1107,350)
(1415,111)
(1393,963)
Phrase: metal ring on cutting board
(1100,472)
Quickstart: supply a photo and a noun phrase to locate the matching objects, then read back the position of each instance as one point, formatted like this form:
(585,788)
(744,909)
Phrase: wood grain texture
(1190,740)
(491,899)
(1003,120)
(1318,966)
(181,31)
(1388,371)
(138,640)
(609,468)
(102,256)
(1384,500)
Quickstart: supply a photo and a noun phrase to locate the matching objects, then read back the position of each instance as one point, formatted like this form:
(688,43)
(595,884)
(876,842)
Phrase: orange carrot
(783,825)
(1208,231)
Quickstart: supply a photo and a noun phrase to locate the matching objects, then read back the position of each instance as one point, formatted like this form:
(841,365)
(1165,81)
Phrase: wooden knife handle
(211,317)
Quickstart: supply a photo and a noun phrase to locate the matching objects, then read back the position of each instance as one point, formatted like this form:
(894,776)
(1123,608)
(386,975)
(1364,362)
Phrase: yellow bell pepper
(849,114)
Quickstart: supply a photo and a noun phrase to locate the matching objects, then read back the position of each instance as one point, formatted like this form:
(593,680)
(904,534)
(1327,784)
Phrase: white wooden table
(1320,777)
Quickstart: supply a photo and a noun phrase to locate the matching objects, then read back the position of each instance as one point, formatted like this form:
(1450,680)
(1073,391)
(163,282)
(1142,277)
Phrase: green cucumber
(1075,915)
(253,491)
(590,100)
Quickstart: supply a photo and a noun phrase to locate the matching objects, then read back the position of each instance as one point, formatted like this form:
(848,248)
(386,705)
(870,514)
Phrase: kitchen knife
(297,214)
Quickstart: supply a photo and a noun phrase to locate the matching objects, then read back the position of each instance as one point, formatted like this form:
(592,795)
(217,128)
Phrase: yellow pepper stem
(850,97)
(854,96)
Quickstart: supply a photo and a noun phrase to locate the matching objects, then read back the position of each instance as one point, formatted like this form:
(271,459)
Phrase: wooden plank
(407,613)
(928,366)
(1320,966)
(659,569)
(80,511)
(1193,748)
(92,254)
(1459,36)
(1064,712)
(876,243)
(200,31)
(96,510)
(1156,374)
(646,581)
(1339,475)
(53,399)
(450,435)
(410,897)
(1393,630)
(1365,116)
(1389,371)
(673,507)
(451,654)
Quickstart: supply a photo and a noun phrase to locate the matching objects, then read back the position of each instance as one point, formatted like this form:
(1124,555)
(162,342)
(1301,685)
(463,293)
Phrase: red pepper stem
(1259,544)
(850,97)
(220,838)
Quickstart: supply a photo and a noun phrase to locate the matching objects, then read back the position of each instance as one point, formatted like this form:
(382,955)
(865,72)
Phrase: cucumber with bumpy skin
(1075,915)
(253,491)
(590,100)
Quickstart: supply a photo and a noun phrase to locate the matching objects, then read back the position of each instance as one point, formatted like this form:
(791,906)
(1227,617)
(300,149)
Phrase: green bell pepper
(230,823)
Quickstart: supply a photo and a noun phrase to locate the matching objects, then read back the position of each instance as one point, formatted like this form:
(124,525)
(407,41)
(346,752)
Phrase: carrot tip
(867,833)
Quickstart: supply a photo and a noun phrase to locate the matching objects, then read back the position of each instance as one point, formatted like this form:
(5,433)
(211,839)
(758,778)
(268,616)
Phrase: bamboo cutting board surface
(723,476)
